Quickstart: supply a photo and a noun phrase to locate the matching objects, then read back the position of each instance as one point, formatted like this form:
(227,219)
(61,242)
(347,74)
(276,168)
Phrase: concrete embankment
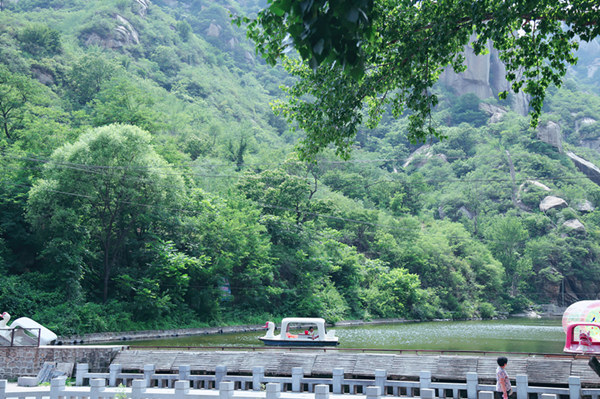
(152,334)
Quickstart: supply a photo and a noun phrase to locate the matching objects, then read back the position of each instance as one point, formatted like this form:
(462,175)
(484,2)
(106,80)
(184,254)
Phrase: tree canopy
(151,182)
(358,58)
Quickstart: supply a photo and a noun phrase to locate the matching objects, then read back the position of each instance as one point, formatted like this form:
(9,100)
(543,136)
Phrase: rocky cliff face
(588,168)
(485,77)
(123,33)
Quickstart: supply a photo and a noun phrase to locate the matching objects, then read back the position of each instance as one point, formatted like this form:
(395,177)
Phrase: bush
(40,40)
(519,303)
(487,310)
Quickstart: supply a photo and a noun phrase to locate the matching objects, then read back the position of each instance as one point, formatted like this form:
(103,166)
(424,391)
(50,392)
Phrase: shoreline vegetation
(104,337)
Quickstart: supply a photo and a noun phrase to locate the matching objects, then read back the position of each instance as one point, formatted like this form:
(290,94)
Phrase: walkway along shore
(539,370)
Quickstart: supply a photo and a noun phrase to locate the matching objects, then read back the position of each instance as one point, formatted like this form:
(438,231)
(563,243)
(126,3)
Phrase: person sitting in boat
(312,333)
(585,340)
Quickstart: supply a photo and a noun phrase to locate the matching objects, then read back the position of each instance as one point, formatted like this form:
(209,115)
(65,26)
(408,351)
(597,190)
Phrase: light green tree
(15,90)
(507,238)
(87,76)
(120,101)
(99,198)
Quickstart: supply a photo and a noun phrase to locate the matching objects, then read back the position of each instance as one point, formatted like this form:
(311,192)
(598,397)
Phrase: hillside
(146,183)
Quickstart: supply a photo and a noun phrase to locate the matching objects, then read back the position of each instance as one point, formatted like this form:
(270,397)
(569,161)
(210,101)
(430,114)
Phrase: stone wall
(20,361)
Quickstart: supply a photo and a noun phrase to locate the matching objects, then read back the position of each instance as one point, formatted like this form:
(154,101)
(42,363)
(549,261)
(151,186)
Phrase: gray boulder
(584,206)
(551,201)
(574,224)
(588,168)
(550,133)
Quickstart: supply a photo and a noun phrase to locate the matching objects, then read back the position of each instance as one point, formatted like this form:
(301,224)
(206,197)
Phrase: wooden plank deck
(539,370)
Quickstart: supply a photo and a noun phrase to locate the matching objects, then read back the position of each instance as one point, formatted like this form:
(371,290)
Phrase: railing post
(226,390)
(380,378)
(374,392)
(321,391)
(574,387)
(258,375)
(97,387)
(337,379)
(424,379)
(80,372)
(522,385)
(486,395)
(57,387)
(472,382)
(148,372)
(3,389)
(184,372)
(113,372)
(273,390)
(220,373)
(182,388)
(137,388)
(427,393)
(297,374)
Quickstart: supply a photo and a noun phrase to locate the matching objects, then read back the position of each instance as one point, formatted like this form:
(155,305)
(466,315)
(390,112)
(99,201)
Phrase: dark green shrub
(40,40)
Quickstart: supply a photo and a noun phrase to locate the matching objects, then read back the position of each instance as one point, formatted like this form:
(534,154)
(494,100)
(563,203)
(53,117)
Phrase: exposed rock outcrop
(466,212)
(579,123)
(423,150)
(426,152)
(476,79)
(584,206)
(588,168)
(523,187)
(590,141)
(143,6)
(496,113)
(485,77)
(592,47)
(124,34)
(213,30)
(551,202)
(550,133)
(126,31)
(43,76)
(574,224)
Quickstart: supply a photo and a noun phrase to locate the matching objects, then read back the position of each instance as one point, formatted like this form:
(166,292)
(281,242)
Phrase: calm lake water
(511,335)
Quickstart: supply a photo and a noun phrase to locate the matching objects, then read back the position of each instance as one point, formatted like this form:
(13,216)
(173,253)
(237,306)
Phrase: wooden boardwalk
(540,370)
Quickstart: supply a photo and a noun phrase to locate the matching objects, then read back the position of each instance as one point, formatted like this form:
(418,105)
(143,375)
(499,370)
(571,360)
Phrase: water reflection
(511,335)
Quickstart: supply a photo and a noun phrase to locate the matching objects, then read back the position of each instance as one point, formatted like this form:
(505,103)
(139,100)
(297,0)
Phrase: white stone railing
(337,384)
(138,390)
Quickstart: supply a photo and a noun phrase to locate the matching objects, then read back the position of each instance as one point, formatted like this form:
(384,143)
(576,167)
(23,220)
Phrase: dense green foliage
(375,53)
(146,183)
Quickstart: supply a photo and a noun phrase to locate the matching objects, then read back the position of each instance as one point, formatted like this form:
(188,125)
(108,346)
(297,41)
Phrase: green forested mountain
(146,183)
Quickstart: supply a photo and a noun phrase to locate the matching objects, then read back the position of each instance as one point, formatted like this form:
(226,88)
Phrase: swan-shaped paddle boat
(24,331)
(310,332)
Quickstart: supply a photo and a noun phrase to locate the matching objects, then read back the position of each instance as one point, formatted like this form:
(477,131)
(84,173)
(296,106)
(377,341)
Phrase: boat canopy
(582,338)
(304,321)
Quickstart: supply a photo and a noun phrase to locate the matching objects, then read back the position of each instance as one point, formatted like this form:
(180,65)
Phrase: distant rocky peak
(550,133)
(485,77)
